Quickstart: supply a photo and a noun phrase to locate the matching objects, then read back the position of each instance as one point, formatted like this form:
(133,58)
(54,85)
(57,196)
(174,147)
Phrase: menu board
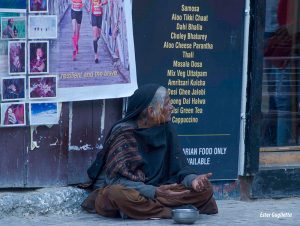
(195,49)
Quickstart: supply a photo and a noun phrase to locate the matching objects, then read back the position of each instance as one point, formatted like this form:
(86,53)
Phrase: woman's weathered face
(167,109)
(160,109)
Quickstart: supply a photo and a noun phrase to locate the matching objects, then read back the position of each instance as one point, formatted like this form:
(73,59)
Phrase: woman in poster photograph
(13,88)
(8,31)
(76,16)
(38,6)
(38,57)
(14,114)
(96,18)
(17,57)
(13,27)
(102,60)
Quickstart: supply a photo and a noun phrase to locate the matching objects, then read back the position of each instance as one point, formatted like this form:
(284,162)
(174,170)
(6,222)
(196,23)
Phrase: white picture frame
(41,114)
(8,93)
(16,18)
(42,27)
(32,10)
(14,59)
(44,90)
(7,116)
(32,49)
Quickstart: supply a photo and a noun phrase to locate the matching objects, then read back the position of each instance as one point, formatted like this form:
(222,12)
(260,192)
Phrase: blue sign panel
(195,49)
(13,4)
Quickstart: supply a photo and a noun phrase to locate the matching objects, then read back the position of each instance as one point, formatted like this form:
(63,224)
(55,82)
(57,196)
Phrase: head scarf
(140,100)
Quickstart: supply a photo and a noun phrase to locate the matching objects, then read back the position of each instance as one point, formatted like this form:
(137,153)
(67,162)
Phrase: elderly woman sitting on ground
(141,173)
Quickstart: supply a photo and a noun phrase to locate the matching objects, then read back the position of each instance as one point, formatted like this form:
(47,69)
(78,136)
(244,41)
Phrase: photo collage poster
(29,93)
(53,52)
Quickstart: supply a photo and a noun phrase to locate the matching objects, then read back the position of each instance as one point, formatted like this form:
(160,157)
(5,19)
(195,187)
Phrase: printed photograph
(42,86)
(38,57)
(43,113)
(13,88)
(38,6)
(42,27)
(13,114)
(17,57)
(13,28)
(96,43)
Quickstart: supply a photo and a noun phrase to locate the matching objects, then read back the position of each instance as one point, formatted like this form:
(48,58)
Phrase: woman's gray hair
(158,100)
(157,103)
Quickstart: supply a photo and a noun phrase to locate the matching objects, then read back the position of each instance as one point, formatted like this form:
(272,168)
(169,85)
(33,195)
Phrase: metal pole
(244,90)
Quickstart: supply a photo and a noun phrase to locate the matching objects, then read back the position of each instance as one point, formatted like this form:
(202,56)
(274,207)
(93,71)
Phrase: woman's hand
(201,182)
(166,191)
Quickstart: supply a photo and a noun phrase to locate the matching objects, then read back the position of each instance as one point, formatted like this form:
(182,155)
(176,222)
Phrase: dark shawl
(162,160)
(122,156)
(140,99)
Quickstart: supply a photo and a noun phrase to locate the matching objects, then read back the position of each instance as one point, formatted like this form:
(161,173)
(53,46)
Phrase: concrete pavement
(269,212)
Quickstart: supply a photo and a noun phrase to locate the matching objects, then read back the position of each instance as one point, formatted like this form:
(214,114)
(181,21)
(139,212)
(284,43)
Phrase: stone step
(56,200)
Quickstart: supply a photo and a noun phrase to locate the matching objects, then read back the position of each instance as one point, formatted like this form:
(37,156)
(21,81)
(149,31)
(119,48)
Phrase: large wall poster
(195,49)
(81,77)
(38,40)
(108,74)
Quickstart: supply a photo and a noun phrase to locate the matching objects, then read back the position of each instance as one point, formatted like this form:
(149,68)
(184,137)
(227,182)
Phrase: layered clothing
(149,155)
(135,161)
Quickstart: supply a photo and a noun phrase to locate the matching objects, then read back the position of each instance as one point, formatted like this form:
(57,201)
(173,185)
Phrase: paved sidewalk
(269,212)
